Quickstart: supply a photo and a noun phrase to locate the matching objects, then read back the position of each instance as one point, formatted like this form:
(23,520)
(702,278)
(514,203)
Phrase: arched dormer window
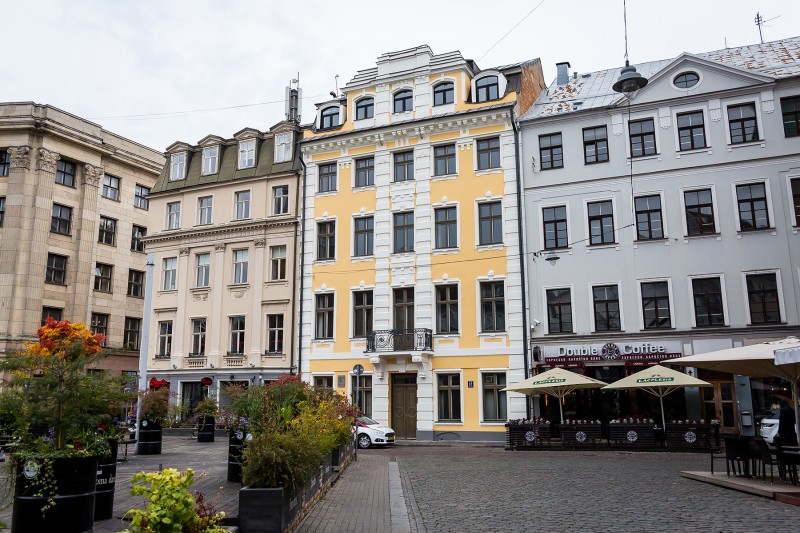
(444,93)
(403,101)
(365,108)
(487,89)
(329,118)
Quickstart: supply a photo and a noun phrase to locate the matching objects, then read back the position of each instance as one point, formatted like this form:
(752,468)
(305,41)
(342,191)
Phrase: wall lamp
(548,255)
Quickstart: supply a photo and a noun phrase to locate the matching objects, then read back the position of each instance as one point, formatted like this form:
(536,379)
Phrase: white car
(769,426)
(370,433)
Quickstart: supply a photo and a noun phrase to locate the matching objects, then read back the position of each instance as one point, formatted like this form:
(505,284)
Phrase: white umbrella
(556,382)
(658,381)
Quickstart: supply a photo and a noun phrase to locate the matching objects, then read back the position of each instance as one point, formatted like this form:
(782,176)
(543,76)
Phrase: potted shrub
(57,406)
(206,412)
(235,419)
(152,414)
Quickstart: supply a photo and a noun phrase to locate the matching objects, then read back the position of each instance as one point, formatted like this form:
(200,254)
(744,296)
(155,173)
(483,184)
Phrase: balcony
(400,340)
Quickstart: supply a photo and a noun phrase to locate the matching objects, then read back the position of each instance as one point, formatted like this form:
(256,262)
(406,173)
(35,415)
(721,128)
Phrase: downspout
(520,229)
(294,262)
(302,267)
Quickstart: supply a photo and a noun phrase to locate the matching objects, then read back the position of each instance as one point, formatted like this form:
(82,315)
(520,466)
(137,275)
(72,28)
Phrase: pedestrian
(787,434)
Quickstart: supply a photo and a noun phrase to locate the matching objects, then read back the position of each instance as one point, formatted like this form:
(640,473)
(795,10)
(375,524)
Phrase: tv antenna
(759,20)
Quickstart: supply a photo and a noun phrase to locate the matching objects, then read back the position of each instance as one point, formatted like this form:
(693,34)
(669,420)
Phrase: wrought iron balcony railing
(400,340)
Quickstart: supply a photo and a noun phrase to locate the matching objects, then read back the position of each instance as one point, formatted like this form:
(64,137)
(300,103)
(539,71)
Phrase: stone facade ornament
(20,156)
(92,175)
(184,251)
(260,243)
(219,247)
(47,160)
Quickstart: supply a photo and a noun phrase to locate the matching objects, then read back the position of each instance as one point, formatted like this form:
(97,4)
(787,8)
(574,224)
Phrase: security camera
(536,322)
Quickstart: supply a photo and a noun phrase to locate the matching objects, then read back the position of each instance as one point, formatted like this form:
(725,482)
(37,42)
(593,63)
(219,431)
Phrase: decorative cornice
(92,175)
(219,232)
(47,160)
(20,157)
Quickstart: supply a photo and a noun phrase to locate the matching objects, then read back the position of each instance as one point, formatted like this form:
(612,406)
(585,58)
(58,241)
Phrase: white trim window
(493,398)
(492,306)
(198,337)
(177,165)
(205,208)
(324,316)
(275,334)
(283,147)
(752,201)
(247,153)
(203,268)
(277,269)
(764,303)
(210,160)
(241,202)
(708,301)
(280,200)
(237,324)
(174,215)
(656,304)
(240,264)
(170,273)
(448,396)
(164,339)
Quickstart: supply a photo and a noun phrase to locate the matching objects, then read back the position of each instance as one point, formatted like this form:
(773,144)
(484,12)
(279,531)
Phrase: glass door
(719,401)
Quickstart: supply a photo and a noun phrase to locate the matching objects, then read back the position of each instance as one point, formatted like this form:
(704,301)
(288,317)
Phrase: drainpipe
(520,230)
(302,268)
(294,263)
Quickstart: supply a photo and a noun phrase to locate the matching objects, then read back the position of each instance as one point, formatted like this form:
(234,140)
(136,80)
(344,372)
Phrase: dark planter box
(327,466)
(149,438)
(632,435)
(205,428)
(336,455)
(73,511)
(523,436)
(688,436)
(106,482)
(578,435)
(266,510)
(312,488)
(235,447)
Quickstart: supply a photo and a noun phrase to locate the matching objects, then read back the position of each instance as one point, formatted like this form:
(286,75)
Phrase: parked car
(769,425)
(372,433)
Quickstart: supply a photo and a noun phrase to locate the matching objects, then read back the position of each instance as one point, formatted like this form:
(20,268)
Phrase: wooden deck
(780,490)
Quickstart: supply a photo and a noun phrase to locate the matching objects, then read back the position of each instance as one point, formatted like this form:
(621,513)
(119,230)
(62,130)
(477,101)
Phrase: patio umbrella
(774,359)
(658,381)
(556,382)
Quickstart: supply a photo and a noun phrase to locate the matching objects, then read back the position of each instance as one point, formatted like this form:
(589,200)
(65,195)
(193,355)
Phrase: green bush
(280,459)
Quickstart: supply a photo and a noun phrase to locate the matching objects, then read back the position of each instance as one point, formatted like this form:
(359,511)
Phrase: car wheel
(364,441)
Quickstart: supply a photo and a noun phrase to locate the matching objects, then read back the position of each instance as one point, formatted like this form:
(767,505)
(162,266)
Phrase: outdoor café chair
(765,457)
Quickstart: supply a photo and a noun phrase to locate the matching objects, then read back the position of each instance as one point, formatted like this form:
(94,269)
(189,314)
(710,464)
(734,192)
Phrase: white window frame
(545,323)
(450,281)
(770,211)
(267,314)
(478,321)
(173,216)
(353,218)
(714,203)
(283,147)
(351,311)
(460,372)
(778,283)
(455,145)
(230,334)
(756,101)
(331,375)
(201,210)
(592,324)
(357,100)
(672,316)
(210,160)
(241,263)
(540,214)
(587,228)
(247,153)
(272,266)
(726,314)
(177,166)
(206,268)
(481,171)
(314,338)
(442,205)
(492,246)
(626,120)
(790,198)
(706,129)
(315,242)
(502,82)
(397,90)
(445,108)
(319,116)
(284,201)
(243,203)
(664,228)
(170,275)
(481,418)
(114,185)
(204,334)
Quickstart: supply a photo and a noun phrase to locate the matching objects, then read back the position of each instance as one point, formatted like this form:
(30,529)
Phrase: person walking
(787,434)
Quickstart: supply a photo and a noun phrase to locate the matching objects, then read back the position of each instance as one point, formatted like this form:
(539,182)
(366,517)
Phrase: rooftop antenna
(761,22)
(294,95)
(335,94)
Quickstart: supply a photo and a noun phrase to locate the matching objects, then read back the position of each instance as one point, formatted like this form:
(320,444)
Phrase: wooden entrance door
(719,401)
(404,406)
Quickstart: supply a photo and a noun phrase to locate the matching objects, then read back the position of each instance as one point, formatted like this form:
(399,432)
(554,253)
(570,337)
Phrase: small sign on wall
(340,382)
(470,384)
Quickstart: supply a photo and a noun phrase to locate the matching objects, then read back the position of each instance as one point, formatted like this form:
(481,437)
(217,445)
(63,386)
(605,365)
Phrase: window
(446,227)
(283,147)
(205,209)
(487,89)
(237,335)
(65,173)
(403,317)
(136,283)
(247,153)
(324,316)
(280,200)
(174,215)
(444,160)
(202,270)
(606,308)
(655,305)
(364,400)
(686,80)
(742,123)
(277,268)
(404,166)
(110,187)
(274,333)
(490,223)
(555,227)
(170,273)
(752,200)
(108,231)
(708,308)
(444,93)
(56,269)
(177,170)
(447,308)
(362,313)
(795,183)
(327,177)
(5,162)
(488,153)
(164,339)
(138,232)
(2,210)
(323,383)
(198,337)
(601,222)
(494,397)
(699,212)
(132,333)
(240,259)
(595,145)
(51,312)
(691,130)
(403,232)
(762,296)
(365,108)
(449,396)
(551,154)
(648,218)
(493,306)
(365,172)
(326,241)
(103,277)
(790,107)
(241,202)
(100,325)
(61,222)
(363,236)
(403,101)
(559,311)
(210,160)
(140,197)
(329,118)
(642,135)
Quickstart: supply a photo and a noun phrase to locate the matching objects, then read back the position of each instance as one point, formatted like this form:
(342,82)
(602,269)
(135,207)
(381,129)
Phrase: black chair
(737,456)
(716,454)
(787,464)
(765,456)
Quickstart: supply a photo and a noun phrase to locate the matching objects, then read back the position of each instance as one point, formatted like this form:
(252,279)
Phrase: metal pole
(355,455)
(145,343)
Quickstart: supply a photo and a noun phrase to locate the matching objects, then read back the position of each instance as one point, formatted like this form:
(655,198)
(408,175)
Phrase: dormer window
(403,101)
(487,89)
(283,147)
(329,118)
(444,93)
(210,160)
(247,153)
(365,108)
(177,166)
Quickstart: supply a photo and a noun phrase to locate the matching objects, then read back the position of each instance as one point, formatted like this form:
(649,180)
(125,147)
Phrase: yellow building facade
(411,255)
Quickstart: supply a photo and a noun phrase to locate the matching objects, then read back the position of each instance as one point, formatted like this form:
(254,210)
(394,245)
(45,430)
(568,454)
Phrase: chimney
(563,73)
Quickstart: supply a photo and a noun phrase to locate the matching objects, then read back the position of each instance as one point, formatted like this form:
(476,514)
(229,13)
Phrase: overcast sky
(107,60)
